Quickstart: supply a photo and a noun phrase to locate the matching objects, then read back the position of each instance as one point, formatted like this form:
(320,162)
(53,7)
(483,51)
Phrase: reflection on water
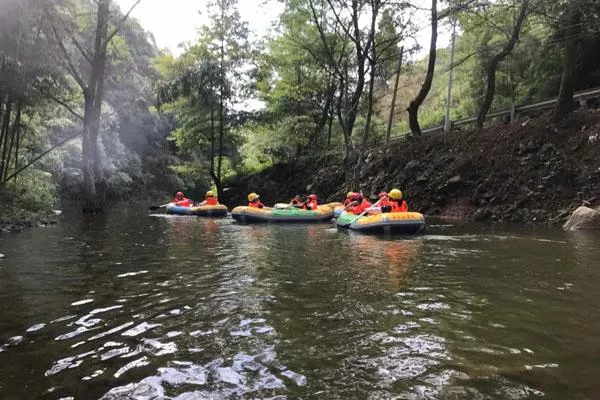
(131,306)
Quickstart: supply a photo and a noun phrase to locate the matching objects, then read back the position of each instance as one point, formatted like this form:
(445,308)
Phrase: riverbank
(532,171)
(15,219)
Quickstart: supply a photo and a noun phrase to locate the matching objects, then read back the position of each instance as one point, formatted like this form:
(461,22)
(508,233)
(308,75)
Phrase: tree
(207,88)
(493,63)
(86,64)
(413,108)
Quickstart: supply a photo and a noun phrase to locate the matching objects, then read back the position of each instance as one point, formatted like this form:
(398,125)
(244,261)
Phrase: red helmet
(356,196)
(382,195)
(179,194)
(312,197)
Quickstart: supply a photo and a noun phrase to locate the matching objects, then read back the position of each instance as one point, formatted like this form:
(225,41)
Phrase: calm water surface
(134,306)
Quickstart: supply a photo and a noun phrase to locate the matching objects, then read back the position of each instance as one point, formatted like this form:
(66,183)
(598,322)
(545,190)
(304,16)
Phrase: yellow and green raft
(399,223)
(286,215)
(218,210)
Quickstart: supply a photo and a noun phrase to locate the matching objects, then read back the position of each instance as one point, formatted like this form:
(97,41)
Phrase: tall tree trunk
(565,103)
(94,95)
(88,154)
(413,108)
(15,129)
(395,94)
(497,59)
(4,137)
(330,123)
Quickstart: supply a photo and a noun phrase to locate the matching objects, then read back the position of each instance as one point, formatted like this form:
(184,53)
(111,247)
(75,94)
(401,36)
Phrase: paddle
(360,215)
(152,208)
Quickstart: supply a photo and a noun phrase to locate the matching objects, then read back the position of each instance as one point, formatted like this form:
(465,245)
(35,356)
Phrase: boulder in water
(584,218)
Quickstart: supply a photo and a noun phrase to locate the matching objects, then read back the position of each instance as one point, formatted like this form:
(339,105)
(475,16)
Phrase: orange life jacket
(211,201)
(359,209)
(395,205)
(256,204)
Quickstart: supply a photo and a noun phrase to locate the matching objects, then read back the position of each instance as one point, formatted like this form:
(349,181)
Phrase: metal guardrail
(543,105)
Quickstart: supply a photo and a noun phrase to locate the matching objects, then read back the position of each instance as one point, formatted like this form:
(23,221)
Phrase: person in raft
(296,202)
(182,201)
(311,203)
(209,199)
(348,199)
(394,203)
(358,204)
(254,202)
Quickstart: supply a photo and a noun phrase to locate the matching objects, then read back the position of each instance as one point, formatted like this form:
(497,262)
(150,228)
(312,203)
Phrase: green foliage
(34,191)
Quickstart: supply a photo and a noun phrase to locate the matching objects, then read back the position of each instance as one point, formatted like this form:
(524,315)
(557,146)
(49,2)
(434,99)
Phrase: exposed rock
(482,214)
(584,218)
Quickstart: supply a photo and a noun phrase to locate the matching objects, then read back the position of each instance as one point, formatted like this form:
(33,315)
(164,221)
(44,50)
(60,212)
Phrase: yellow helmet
(395,194)
(349,194)
(210,193)
(253,196)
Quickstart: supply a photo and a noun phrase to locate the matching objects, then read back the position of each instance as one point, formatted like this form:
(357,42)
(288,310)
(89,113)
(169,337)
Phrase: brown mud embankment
(533,171)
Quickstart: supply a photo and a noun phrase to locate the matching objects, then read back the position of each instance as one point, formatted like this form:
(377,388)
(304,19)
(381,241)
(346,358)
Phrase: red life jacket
(211,201)
(311,205)
(183,202)
(256,204)
(347,201)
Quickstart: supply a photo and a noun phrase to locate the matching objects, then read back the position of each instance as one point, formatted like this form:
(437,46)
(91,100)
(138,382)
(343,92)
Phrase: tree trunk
(497,59)
(94,95)
(565,103)
(4,133)
(413,108)
(88,155)
(395,94)
(15,128)
(330,127)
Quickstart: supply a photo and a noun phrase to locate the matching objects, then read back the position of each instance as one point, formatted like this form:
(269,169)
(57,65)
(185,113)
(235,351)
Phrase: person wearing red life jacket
(395,203)
(296,202)
(182,201)
(348,199)
(254,202)
(311,204)
(209,199)
(358,204)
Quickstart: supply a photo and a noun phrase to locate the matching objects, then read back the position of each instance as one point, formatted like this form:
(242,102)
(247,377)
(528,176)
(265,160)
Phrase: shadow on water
(127,305)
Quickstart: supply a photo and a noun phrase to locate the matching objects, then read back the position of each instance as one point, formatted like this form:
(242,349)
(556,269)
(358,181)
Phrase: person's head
(383,195)
(210,194)
(297,197)
(253,197)
(312,197)
(179,195)
(356,197)
(395,194)
(349,195)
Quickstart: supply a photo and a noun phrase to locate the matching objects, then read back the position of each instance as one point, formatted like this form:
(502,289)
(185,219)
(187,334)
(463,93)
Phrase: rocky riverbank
(532,171)
(15,220)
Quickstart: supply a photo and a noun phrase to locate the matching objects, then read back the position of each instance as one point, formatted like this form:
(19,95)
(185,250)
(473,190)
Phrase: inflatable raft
(400,222)
(218,210)
(287,215)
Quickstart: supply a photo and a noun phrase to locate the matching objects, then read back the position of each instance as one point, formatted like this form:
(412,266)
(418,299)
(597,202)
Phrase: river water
(128,305)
